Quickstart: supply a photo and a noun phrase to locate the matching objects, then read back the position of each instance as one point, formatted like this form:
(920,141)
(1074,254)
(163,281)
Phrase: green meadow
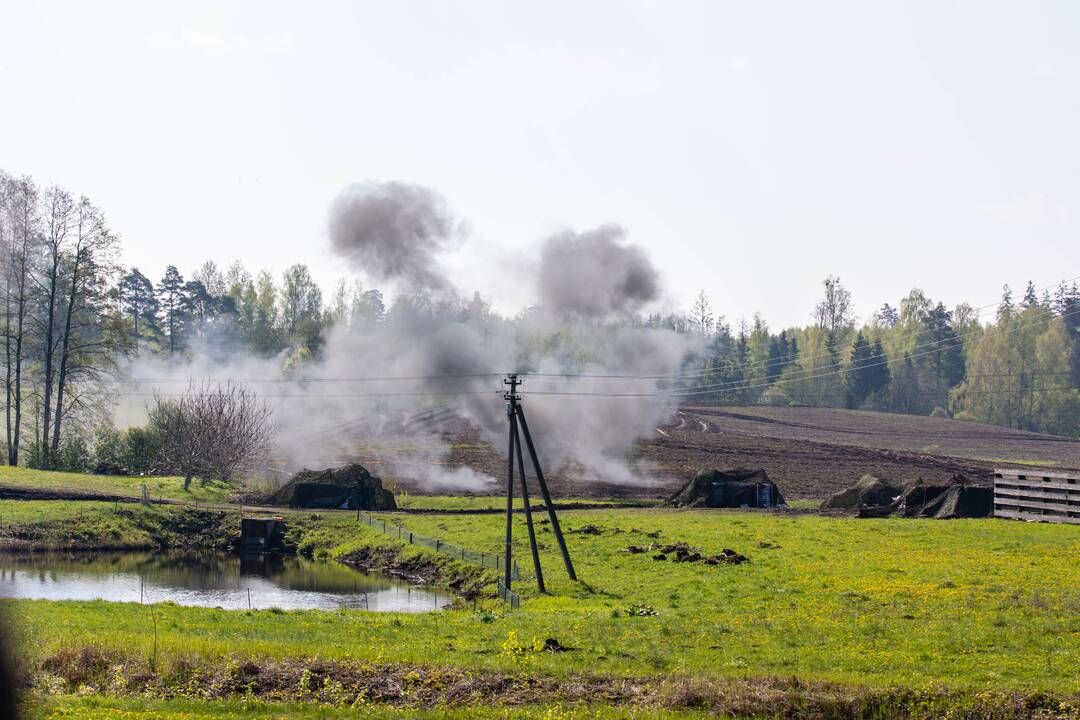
(894,616)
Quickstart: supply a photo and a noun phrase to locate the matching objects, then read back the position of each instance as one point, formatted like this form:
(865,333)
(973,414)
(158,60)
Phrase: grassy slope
(171,488)
(968,603)
(65,524)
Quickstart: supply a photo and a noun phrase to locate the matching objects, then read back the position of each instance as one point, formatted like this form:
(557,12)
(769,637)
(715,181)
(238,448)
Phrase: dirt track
(809,452)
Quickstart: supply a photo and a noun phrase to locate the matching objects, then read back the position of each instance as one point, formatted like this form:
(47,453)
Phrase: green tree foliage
(171,306)
(139,304)
(858,374)
(301,313)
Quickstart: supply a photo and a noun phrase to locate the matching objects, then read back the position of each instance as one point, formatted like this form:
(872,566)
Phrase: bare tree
(59,211)
(701,315)
(211,278)
(87,347)
(834,312)
(213,432)
(21,240)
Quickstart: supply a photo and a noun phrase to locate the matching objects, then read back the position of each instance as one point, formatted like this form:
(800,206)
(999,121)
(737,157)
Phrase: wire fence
(509,596)
(487,560)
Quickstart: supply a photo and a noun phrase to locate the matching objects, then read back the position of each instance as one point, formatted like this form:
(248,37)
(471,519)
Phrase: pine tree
(138,302)
(171,299)
(878,368)
(1031,299)
(858,375)
(948,356)
(776,360)
(1005,307)
(888,316)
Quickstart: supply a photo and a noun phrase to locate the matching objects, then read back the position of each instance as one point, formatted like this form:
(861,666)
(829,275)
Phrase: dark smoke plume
(393,231)
(379,391)
(595,275)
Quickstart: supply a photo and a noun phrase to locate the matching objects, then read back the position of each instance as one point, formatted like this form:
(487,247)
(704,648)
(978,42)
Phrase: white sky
(752,148)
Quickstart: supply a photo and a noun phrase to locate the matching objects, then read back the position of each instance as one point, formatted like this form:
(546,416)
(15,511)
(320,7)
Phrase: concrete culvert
(351,488)
(734,488)
(869,491)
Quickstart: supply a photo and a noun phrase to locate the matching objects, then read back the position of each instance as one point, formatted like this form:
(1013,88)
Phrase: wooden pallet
(1037,495)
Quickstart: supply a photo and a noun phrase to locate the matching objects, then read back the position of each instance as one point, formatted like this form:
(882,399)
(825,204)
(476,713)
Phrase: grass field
(165,487)
(95,525)
(955,609)
(894,616)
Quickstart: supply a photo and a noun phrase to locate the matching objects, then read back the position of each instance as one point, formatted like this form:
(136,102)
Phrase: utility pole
(518,427)
(511,402)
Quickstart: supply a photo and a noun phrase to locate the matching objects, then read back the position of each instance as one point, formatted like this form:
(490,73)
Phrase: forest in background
(74,318)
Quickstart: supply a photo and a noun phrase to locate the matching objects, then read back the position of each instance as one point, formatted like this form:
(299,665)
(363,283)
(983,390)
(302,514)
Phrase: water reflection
(207,579)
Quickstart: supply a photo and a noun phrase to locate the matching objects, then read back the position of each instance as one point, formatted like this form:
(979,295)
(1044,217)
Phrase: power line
(333,395)
(839,369)
(780,360)
(300,381)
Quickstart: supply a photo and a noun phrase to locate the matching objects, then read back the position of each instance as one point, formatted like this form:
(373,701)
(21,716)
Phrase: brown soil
(809,453)
(341,683)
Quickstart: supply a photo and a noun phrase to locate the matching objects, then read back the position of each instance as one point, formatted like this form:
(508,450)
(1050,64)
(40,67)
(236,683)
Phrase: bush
(136,448)
(939,412)
(142,449)
(108,446)
(73,455)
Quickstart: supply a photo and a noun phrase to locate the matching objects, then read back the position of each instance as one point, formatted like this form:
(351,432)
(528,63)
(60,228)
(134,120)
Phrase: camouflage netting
(351,487)
(955,498)
(729,489)
(868,491)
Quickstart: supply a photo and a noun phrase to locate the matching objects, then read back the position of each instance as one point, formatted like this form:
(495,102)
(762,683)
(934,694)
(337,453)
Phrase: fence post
(410,538)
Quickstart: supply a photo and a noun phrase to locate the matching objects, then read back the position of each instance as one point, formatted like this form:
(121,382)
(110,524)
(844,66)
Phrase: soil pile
(869,491)
(735,488)
(954,498)
(351,487)
(682,552)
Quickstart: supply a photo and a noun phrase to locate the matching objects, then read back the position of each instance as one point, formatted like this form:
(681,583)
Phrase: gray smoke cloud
(596,274)
(388,393)
(393,230)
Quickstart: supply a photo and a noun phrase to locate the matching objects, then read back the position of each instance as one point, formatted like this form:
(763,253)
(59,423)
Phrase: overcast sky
(751,148)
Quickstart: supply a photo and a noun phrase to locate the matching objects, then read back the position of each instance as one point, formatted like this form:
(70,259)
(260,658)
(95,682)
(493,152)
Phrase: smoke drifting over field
(595,274)
(375,391)
(393,231)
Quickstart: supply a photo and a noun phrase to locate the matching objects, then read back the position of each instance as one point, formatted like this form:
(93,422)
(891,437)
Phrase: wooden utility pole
(519,427)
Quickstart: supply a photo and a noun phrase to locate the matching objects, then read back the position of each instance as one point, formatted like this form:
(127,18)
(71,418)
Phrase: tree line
(72,316)
(1019,368)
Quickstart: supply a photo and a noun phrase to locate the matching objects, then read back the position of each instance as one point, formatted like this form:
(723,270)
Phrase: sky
(750,148)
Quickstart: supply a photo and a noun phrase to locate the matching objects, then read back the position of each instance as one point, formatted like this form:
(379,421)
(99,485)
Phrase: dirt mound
(351,487)
(955,498)
(739,487)
(868,491)
(108,468)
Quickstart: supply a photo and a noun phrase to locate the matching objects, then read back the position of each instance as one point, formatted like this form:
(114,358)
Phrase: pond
(209,579)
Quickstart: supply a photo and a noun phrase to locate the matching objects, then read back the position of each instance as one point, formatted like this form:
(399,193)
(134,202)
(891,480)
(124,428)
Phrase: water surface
(208,579)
